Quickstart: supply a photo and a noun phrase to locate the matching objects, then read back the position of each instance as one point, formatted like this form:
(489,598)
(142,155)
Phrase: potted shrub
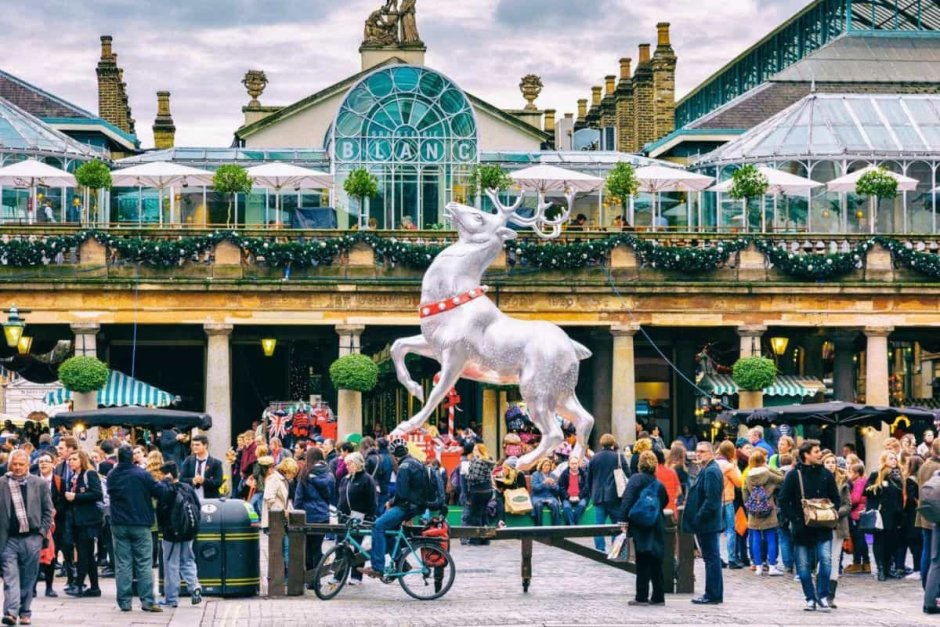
(83,375)
(752,375)
(748,182)
(91,175)
(622,185)
(231,179)
(351,376)
(361,184)
(876,184)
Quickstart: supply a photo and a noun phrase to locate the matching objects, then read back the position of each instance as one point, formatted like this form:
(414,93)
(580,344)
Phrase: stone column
(623,385)
(219,390)
(348,402)
(601,365)
(86,338)
(876,388)
(750,335)
(843,375)
(812,350)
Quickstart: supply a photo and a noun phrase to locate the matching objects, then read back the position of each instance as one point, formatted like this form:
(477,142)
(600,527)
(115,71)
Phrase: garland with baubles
(905,255)
(812,266)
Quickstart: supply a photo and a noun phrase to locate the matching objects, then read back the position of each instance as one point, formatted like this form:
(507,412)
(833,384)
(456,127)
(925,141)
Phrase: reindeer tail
(581,350)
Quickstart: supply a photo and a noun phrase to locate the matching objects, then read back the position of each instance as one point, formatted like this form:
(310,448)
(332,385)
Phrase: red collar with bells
(432,309)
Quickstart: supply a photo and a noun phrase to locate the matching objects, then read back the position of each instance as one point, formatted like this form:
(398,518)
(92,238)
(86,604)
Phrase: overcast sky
(200,49)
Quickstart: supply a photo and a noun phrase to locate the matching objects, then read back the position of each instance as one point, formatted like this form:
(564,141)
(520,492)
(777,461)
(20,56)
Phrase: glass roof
(217,156)
(841,126)
(571,158)
(23,134)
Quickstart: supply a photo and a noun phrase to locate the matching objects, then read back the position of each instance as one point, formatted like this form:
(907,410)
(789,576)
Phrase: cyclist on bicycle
(411,498)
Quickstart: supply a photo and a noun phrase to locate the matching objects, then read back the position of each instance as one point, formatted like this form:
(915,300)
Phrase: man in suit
(703,518)
(63,541)
(25,519)
(202,471)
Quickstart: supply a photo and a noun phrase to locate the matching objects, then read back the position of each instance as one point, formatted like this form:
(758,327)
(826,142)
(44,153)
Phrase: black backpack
(437,495)
(184,514)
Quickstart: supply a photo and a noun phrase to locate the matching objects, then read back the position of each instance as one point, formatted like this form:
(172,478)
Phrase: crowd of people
(116,510)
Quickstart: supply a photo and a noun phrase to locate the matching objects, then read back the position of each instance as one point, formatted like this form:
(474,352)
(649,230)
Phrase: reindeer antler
(538,220)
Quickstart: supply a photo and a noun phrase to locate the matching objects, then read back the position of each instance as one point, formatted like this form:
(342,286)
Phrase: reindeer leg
(583,422)
(452,364)
(403,346)
(543,415)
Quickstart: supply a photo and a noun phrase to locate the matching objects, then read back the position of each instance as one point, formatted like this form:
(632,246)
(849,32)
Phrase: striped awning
(785,385)
(119,391)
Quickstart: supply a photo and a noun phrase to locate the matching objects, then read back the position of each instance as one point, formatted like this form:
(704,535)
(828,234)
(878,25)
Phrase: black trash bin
(227,550)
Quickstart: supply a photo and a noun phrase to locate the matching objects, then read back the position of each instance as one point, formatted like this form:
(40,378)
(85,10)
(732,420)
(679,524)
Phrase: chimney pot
(644,53)
(106,46)
(163,103)
(625,68)
(662,30)
(610,83)
(549,120)
(582,108)
(596,95)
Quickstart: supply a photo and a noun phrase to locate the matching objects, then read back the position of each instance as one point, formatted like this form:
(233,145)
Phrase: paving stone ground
(565,590)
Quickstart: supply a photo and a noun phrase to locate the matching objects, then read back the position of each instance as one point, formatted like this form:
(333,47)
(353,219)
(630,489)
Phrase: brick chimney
(113,103)
(164,131)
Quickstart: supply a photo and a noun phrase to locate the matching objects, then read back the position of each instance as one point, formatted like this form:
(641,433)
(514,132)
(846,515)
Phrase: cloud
(199,50)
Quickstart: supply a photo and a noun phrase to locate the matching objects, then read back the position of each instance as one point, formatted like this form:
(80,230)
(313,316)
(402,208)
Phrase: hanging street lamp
(14,326)
(268,344)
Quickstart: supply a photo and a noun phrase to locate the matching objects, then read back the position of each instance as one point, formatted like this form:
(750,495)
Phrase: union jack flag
(278,425)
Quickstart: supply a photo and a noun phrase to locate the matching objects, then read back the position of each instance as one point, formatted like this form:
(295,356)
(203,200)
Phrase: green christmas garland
(811,266)
(904,254)
(688,260)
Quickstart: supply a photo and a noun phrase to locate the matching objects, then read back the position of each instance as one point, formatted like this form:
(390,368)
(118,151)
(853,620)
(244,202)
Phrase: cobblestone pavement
(565,590)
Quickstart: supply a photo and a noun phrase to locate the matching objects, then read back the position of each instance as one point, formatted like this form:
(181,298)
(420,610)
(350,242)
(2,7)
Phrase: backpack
(436,498)
(758,503)
(184,514)
(646,511)
(423,489)
(479,472)
(929,506)
(439,530)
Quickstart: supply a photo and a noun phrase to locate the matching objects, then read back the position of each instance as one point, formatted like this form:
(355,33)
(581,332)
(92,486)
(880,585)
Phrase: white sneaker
(810,606)
(354,582)
(774,572)
(914,575)
(824,606)
(796,577)
(759,571)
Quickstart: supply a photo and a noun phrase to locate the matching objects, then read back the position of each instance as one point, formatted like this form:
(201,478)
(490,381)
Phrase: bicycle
(422,566)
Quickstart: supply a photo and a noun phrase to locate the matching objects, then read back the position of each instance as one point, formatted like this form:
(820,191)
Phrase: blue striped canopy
(120,390)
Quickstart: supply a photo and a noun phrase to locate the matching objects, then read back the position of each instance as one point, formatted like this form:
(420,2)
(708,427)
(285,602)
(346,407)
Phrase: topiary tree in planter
(231,179)
(351,376)
(622,185)
(83,374)
(748,182)
(361,184)
(91,175)
(876,184)
(752,375)
(487,176)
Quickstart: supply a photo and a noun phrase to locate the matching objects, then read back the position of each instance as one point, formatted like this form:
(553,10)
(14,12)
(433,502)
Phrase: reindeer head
(478,227)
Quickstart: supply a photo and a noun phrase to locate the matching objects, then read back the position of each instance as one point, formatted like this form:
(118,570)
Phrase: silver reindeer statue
(465,332)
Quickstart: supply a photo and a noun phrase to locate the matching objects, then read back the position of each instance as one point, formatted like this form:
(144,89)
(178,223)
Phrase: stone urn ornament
(255,81)
(531,86)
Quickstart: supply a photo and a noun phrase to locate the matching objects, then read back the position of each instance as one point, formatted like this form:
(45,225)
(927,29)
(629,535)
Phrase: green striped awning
(785,385)
(119,391)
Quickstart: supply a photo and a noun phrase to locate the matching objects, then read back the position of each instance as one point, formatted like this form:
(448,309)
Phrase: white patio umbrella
(849,182)
(543,179)
(778,182)
(160,174)
(32,174)
(278,175)
(657,178)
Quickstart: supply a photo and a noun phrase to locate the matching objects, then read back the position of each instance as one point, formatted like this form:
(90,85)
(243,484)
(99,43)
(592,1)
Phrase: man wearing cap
(409,501)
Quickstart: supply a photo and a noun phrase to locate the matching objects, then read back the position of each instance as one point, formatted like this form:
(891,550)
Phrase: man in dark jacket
(130,490)
(379,466)
(603,487)
(201,470)
(410,500)
(811,545)
(178,558)
(703,518)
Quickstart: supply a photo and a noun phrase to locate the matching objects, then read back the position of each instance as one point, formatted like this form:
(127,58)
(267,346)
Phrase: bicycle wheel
(332,572)
(427,570)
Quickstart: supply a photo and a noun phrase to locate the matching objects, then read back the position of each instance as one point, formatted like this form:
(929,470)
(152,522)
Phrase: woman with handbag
(841,533)
(885,492)
(726,459)
(82,497)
